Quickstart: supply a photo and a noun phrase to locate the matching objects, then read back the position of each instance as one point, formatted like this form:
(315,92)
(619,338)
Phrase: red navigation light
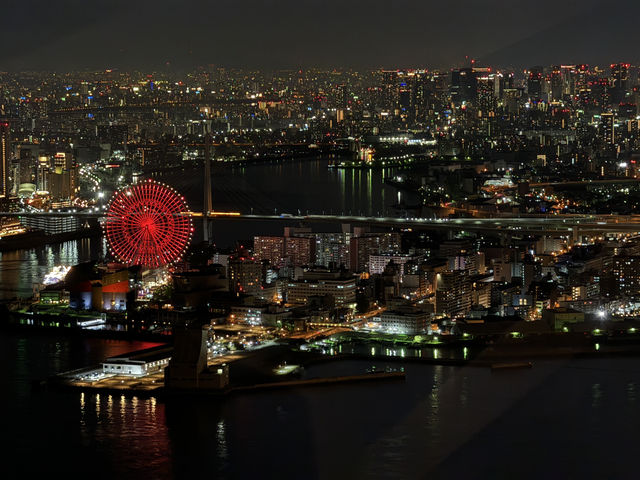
(146,225)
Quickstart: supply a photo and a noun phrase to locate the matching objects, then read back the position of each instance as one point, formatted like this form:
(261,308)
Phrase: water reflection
(596,395)
(221,436)
(132,430)
(632,392)
(21,269)
(439,415)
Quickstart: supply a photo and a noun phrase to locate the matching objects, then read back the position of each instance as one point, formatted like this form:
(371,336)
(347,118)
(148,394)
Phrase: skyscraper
(5,157)
(607,126)
(534,84)
(619,82)
(556,83)
(464,85)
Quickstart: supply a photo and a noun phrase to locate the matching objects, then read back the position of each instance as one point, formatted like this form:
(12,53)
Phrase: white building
(320,284)
(403,321)
(138,363)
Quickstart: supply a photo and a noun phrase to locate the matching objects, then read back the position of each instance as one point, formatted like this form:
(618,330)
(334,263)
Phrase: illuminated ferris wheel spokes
(148,224)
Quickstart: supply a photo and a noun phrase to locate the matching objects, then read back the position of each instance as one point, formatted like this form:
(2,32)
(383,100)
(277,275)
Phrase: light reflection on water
(128,428)
(374,429)
(20,269)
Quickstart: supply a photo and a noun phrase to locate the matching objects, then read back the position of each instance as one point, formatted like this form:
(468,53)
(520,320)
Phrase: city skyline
(320,239)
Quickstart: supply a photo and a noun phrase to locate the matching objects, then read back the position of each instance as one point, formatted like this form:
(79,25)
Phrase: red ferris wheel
(148,224)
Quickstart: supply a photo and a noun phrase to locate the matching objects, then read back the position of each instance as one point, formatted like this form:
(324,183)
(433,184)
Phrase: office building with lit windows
(341,287)
(5,157)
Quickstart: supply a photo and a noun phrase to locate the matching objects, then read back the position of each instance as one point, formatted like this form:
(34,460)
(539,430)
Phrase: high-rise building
(619,82)
(453,293)
(378,263)
(569,75)
(300,250)
(42,170)
(245,274)
(389,89)
(464,85)
(5,157)
(363,245)
(582,77)
(27,155)
(333,249)
(59,185)
(626,274)
(556,83)
(486,91)
(607,126)
(534,83)
(295,249)
(269,248)
(512,100)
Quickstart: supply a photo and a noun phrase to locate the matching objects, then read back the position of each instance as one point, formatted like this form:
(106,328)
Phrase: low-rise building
(557,318)
(138,363)
(320,283)
(409,321)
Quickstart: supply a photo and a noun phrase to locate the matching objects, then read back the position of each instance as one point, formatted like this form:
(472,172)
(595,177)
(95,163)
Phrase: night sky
(77,34)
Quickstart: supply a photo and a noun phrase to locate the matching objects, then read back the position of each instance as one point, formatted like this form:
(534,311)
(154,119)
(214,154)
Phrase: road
(535,225)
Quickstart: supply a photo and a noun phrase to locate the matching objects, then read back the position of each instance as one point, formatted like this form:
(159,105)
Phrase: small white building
(138,363)
(403,321)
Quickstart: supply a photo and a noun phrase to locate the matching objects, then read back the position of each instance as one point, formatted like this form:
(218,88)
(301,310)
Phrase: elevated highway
(535,225)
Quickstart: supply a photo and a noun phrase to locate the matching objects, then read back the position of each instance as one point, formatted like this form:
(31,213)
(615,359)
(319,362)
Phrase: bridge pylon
(208,199)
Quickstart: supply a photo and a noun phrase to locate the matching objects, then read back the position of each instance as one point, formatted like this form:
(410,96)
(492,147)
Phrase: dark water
(561,419)
(291,186)
(295,187)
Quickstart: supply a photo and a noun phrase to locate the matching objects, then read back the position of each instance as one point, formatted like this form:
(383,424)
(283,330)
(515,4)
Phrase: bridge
(532,225)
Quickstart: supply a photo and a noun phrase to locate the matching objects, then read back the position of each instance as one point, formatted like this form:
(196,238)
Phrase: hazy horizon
(281,34)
